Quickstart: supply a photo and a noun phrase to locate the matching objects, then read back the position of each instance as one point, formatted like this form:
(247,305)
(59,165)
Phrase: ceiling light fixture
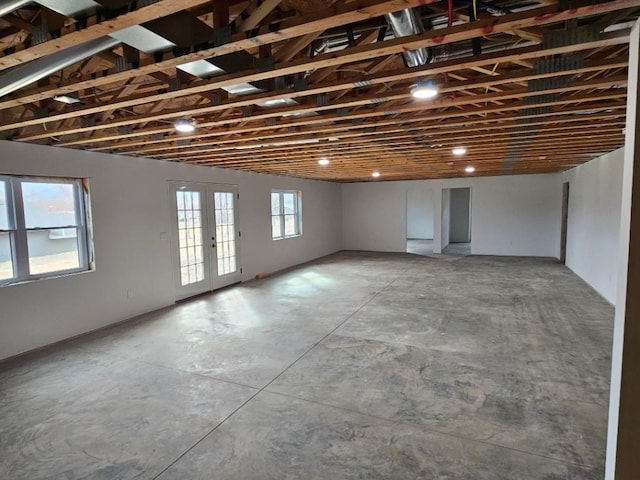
(184,125)
(68,99)
(323,161)
(459,151)
(424,90)
(375,174)
(470,169)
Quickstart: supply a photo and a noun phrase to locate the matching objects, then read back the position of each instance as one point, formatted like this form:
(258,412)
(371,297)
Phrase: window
(44,228)
(286,214)
(190,237)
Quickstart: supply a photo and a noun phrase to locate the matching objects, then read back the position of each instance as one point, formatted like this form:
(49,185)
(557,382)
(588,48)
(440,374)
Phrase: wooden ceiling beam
(75,37)
(491,126)
(453,34)
(294,46)
(358,100)
(258,12)
(20,23)
(353,12)
(340,149)
(498,153)
(452,139)
(443,119)
(383,78)
(415,123)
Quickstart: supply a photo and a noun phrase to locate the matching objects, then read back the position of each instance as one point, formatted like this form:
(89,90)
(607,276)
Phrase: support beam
(259,14)
(302,26)
(143,14)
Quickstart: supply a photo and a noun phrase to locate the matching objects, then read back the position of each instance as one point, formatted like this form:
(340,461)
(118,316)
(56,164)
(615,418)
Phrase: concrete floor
(459,249)
(360,366)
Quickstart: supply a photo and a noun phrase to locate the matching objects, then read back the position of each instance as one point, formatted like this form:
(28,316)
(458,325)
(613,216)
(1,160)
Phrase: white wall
(420,213)
(515,215)
(132,225)
(593,227)
(374,217)
(621,459)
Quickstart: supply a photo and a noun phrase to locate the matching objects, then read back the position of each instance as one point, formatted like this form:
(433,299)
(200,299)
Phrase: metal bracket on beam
(216,99)
(323,100)
(121,64)
(221,36)
(174,84)
(40,34)
(266,64)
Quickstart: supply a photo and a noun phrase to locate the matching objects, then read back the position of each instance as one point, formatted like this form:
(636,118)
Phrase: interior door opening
(456,221)
(420,222)
(565,222)
(205,237)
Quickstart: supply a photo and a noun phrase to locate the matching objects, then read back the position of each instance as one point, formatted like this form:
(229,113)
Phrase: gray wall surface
(460,221)
(446,216)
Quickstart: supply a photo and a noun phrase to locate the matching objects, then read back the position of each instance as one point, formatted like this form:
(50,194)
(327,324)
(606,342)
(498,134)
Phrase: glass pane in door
(190,237)
(6,257)
(225,232)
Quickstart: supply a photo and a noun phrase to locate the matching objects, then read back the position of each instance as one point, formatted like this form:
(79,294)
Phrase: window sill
(48,277)
(286,238)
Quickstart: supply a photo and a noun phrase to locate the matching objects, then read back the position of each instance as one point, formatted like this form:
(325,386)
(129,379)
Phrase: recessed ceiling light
(184,125)
(66,99)
(459,151)
(470,169)
(323,161)
(424,90)
(375,174)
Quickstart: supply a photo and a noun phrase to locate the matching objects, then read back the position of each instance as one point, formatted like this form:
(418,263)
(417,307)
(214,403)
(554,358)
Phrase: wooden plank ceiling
(527,86)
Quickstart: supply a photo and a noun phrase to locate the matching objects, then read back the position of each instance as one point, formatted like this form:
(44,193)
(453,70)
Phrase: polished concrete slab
(360,365)
(461,249)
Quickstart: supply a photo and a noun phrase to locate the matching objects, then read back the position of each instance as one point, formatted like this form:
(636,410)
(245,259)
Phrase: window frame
(281,214)
(18,231)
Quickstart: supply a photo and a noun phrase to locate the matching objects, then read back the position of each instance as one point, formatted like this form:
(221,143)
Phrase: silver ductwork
(404,23)
(150,37)
(33,71)
(8,6)
(69,8)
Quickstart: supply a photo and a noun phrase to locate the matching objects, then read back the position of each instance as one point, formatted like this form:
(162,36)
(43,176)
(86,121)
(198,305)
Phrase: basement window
(286,214)
(44,228)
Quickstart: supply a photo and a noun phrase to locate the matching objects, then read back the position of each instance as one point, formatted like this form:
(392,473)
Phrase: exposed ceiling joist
(274,85)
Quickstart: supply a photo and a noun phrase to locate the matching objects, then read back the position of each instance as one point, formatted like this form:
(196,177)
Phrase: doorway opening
(565,220)
(419,222)
(206,253)
(456,221)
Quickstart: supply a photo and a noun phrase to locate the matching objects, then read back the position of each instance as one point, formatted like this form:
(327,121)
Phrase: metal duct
(178,30)
(69,8)
(405,23)
(33,71)
(8,6)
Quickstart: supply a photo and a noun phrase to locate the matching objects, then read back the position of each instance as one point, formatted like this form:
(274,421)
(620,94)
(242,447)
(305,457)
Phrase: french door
(205,237)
